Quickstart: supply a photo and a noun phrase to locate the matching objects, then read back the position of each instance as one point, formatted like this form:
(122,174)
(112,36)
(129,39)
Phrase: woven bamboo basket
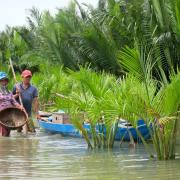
(13,118)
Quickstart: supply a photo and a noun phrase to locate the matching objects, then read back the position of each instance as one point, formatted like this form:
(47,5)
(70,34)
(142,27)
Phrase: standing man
(29,95)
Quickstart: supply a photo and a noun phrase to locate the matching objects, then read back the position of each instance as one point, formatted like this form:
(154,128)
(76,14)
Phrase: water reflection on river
(54,157)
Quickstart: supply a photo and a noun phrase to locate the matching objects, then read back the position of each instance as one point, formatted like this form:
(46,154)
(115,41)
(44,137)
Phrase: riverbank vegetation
(118,60)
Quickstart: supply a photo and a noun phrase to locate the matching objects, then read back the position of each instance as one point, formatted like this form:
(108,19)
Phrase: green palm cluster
(101,98)
(82,34)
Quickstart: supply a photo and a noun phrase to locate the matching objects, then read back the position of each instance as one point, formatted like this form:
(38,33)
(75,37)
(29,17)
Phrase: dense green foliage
(81,35)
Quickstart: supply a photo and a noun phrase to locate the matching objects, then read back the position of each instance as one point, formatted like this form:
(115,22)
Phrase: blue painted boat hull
(70,130)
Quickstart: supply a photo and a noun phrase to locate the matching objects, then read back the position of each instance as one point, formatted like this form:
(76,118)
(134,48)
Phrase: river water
(43,156)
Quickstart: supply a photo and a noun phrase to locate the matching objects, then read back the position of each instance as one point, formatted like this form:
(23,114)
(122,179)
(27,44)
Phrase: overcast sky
(14,12)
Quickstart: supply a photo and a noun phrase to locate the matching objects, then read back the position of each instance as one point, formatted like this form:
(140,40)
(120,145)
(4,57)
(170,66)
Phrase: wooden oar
(14,75)
(62,96)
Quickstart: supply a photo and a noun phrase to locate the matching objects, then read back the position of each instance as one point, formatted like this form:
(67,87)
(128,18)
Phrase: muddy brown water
(44,156)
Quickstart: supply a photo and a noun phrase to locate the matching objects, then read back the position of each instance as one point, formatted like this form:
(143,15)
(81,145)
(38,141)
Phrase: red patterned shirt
(7,100)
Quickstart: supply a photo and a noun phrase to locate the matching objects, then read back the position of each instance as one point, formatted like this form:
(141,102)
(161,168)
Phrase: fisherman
(29,96)
(6,100)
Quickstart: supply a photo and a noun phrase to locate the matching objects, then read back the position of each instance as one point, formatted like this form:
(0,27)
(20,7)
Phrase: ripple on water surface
(43,156)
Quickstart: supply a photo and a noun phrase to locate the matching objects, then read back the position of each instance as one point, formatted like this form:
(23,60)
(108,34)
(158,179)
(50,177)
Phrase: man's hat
(26,73)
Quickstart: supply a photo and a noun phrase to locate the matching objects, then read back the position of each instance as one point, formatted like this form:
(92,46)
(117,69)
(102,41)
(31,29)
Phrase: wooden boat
(124,131)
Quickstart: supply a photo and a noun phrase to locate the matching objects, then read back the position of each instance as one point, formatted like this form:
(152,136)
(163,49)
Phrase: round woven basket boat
(13,118)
